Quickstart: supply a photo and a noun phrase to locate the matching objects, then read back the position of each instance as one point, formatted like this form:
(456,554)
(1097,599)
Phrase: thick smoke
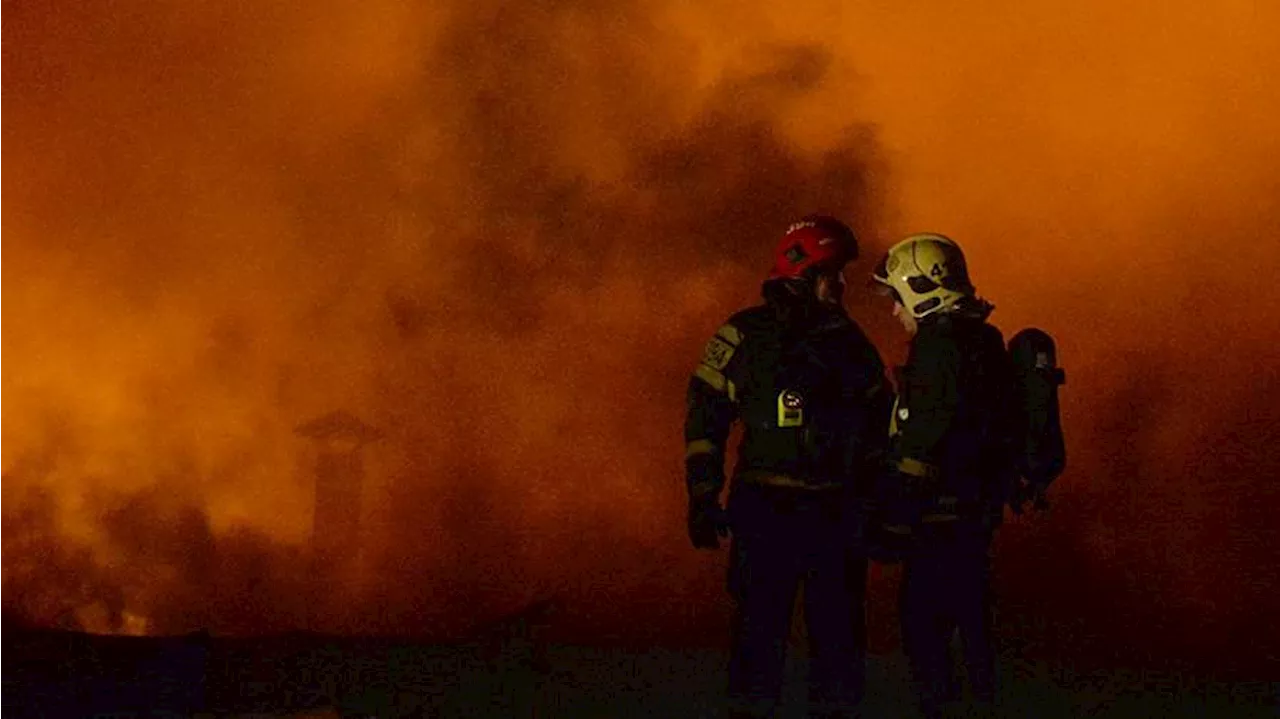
(502,248)
(500,234)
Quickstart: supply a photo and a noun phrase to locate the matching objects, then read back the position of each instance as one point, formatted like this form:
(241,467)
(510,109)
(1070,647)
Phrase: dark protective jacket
(809,390)
(954,421)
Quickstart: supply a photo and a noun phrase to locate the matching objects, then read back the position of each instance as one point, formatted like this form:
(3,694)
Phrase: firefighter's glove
(1040,498)
(1031,493)
(708,522)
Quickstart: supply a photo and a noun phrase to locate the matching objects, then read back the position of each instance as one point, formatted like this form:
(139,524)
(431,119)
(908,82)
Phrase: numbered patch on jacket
(717,354)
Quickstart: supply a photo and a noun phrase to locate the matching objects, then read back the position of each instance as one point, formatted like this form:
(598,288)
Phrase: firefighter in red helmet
(809,390)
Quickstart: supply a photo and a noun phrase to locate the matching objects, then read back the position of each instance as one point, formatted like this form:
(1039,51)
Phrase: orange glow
(500,234)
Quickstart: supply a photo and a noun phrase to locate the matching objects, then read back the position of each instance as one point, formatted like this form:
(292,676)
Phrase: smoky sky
(500,234)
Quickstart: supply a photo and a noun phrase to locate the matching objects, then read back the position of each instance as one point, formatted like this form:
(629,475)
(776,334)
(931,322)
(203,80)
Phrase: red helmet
(816,242)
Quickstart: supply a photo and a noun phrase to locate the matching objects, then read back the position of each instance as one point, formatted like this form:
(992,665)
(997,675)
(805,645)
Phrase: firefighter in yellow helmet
(926,274)
(950,469)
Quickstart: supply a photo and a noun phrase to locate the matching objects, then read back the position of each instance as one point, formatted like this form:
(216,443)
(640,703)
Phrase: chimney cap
(338,425)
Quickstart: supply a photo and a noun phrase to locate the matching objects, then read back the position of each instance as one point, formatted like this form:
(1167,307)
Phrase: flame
(97,618)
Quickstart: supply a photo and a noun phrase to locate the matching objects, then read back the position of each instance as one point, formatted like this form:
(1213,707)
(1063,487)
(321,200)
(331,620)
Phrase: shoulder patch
(720,349)
(717,353)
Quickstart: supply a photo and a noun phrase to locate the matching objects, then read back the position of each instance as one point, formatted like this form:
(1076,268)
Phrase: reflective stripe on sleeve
(713,377)
(700,446)
(730,334)
(916,468)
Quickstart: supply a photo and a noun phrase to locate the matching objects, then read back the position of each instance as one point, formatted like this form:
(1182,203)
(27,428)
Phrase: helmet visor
(881,272)
(885,290)
(880,280)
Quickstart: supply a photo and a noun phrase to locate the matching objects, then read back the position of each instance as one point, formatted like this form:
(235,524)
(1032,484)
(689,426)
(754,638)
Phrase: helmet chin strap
(978,307)
(790,294)
(836,286)
(796,300)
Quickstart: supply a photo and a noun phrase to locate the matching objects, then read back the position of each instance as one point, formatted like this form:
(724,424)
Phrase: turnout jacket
(953,423)
(809,392)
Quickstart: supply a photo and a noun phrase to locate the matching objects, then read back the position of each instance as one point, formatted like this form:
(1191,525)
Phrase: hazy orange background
(501,233)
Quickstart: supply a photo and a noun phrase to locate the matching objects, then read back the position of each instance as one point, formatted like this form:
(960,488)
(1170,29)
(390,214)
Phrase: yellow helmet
(926,273)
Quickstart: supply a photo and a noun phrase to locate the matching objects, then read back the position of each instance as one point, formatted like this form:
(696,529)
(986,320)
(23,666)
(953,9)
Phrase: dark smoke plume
(479,257)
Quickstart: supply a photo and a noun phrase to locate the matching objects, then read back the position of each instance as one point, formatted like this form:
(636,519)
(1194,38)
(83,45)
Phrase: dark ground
(506,672)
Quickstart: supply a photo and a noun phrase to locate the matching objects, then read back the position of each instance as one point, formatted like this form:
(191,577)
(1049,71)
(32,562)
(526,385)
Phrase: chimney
(339,438)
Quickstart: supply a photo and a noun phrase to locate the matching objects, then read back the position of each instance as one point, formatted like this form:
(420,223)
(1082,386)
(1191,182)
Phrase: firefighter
(810,392)
(950,465)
